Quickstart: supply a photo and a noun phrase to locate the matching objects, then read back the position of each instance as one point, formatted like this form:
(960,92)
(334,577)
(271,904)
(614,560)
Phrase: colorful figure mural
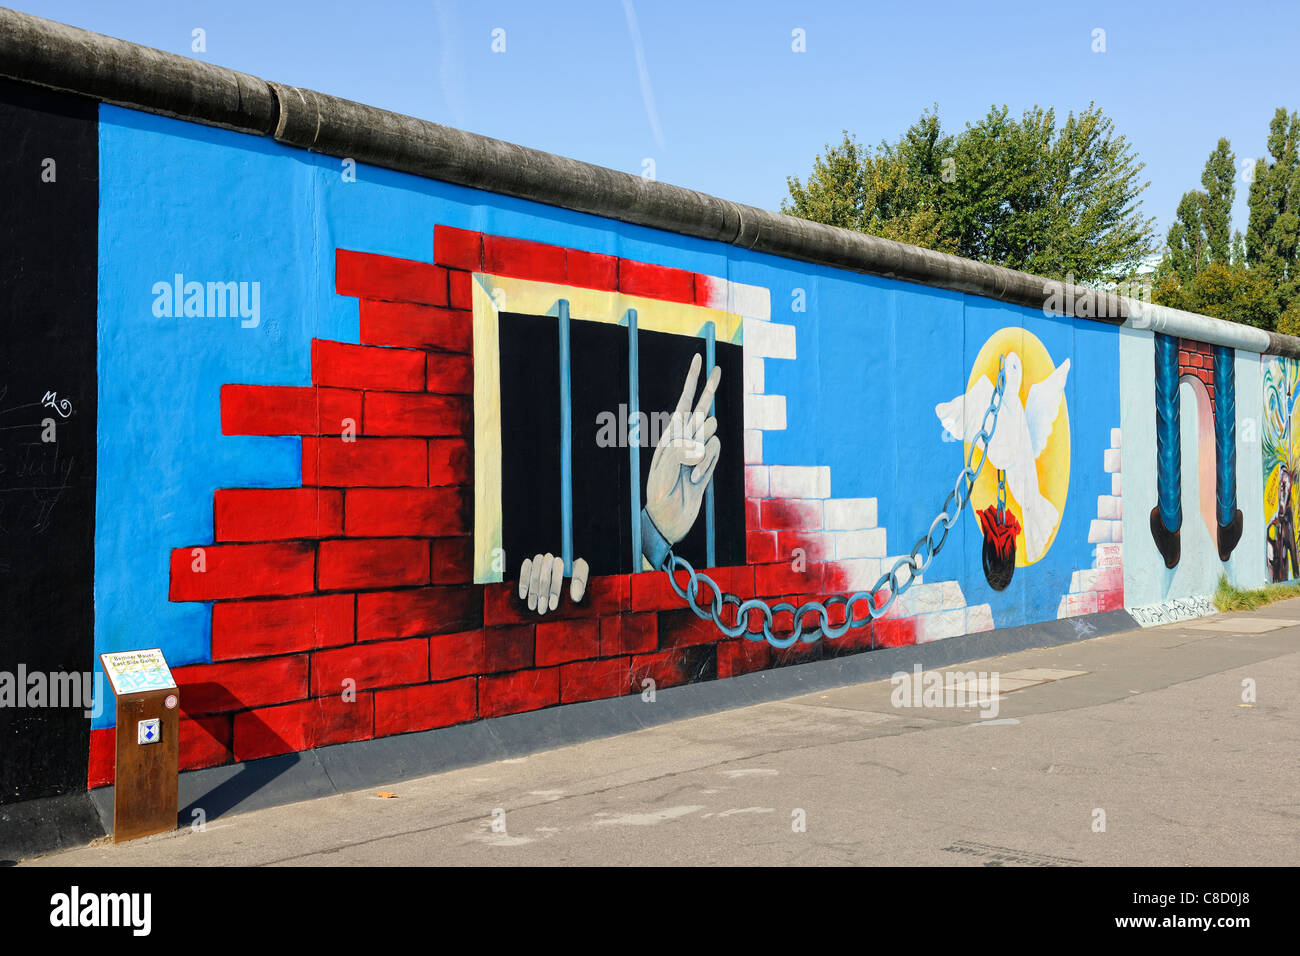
(1020,442)
(1281,459)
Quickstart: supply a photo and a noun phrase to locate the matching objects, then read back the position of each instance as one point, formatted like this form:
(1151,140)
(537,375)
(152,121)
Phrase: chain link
(916,561)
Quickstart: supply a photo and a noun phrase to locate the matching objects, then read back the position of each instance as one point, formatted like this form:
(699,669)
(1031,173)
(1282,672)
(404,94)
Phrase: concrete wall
(328,434)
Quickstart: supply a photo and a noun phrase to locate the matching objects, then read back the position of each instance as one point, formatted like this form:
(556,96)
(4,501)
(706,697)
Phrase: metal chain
(917,560)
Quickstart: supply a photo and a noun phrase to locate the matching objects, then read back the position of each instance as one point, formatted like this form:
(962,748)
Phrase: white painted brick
(754,378)
(850,514)
(1111,458)
(859,574)
(860,544)
(768,339)
(1085,580)
(952,596)
(979,618)
(1074,604)
(940,626)
(1115,435)
(925,599)
(757,484)
(753,447)
(1115,484)
(750,301)
(765,411)
(1108,556)
(1099,531)
(904,572)
(1108,507)
(1117,531)
(801,481)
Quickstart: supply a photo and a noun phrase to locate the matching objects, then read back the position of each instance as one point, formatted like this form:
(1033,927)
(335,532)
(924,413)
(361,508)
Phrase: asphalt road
(1149,728)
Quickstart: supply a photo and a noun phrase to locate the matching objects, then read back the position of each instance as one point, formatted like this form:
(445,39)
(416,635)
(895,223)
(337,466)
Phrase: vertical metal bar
(710,561)
(634,434)
(566,442)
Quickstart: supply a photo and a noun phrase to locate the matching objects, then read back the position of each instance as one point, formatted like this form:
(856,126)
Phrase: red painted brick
(311,723)
(372,665)
(675,666)
(561,641)
(425,707)
(893,632)
(453,560)
(791,514)
(761,546)
(404,512)
(593,680)
(607,594)
(591,270)
(455,655)
(217,688)
(628,634)
(508,648)
(782,578)
(365,462)
(1110,600)
(742,656)
(449,462)
(400,414)
(242,570)
(460,289)
(373,563)
(439,610)
(416,326)
(517,692)
(504,256)
(342,365)
(656,282)
(103,757)
(274,514)
(814,545)
(262,628)
(450,374)
(683,629)
(753,514)
(457,248)
(652,592)
(287,410)
(206,741)
(369,276)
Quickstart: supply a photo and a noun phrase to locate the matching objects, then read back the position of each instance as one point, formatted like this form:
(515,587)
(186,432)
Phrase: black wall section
(48,259)
(530,454)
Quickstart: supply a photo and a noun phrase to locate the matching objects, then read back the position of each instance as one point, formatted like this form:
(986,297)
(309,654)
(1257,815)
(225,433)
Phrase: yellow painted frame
(494,294)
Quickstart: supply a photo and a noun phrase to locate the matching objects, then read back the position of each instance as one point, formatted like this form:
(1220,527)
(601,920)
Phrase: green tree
(1031,193)
(1219,183)
(1274,230)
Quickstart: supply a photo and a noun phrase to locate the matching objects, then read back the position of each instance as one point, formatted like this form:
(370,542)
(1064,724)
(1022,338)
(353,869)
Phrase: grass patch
(1230,598)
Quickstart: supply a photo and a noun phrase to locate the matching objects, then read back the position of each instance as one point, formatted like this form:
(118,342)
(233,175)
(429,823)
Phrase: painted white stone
(757,484)
(765,412)
(754,378)
(1108,507)
(1099,531)
(859,574)
(952,596)
(753,446)
(979,617)
(750,301)
(1117,531)
(768,339)
(1115,435)
(940,626)
(1115,484)
(1111,458)
(850,514)
(801,481)
(869,543)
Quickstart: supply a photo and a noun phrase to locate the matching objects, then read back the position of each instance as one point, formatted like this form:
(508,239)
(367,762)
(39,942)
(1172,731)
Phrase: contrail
(647,93)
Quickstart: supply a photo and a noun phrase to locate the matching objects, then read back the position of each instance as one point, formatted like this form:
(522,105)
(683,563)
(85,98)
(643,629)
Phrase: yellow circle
(1053,464)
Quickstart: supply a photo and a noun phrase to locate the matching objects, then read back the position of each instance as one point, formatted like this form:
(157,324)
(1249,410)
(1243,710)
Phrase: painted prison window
(530,440)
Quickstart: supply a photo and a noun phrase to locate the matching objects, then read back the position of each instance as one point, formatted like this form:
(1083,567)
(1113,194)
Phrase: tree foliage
(1054,198)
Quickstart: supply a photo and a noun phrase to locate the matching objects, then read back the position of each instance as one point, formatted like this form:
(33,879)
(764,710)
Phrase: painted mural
(1281,454)
(375,455)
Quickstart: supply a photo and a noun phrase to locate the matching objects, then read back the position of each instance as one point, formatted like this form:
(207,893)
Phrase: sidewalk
(1148,726)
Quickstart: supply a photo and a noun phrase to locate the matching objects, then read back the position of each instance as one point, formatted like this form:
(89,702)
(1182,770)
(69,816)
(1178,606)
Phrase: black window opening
(601,496)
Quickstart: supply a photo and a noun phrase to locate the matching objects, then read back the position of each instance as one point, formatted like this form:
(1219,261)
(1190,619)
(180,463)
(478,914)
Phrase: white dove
(1018,439)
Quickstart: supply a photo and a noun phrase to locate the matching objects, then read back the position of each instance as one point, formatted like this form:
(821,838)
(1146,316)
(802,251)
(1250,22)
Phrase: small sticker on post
(149,731)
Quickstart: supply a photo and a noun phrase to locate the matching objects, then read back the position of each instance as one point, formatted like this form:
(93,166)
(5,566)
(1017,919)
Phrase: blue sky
(735,110)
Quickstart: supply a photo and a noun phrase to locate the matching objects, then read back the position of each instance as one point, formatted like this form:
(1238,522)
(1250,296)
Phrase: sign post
(146,793)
